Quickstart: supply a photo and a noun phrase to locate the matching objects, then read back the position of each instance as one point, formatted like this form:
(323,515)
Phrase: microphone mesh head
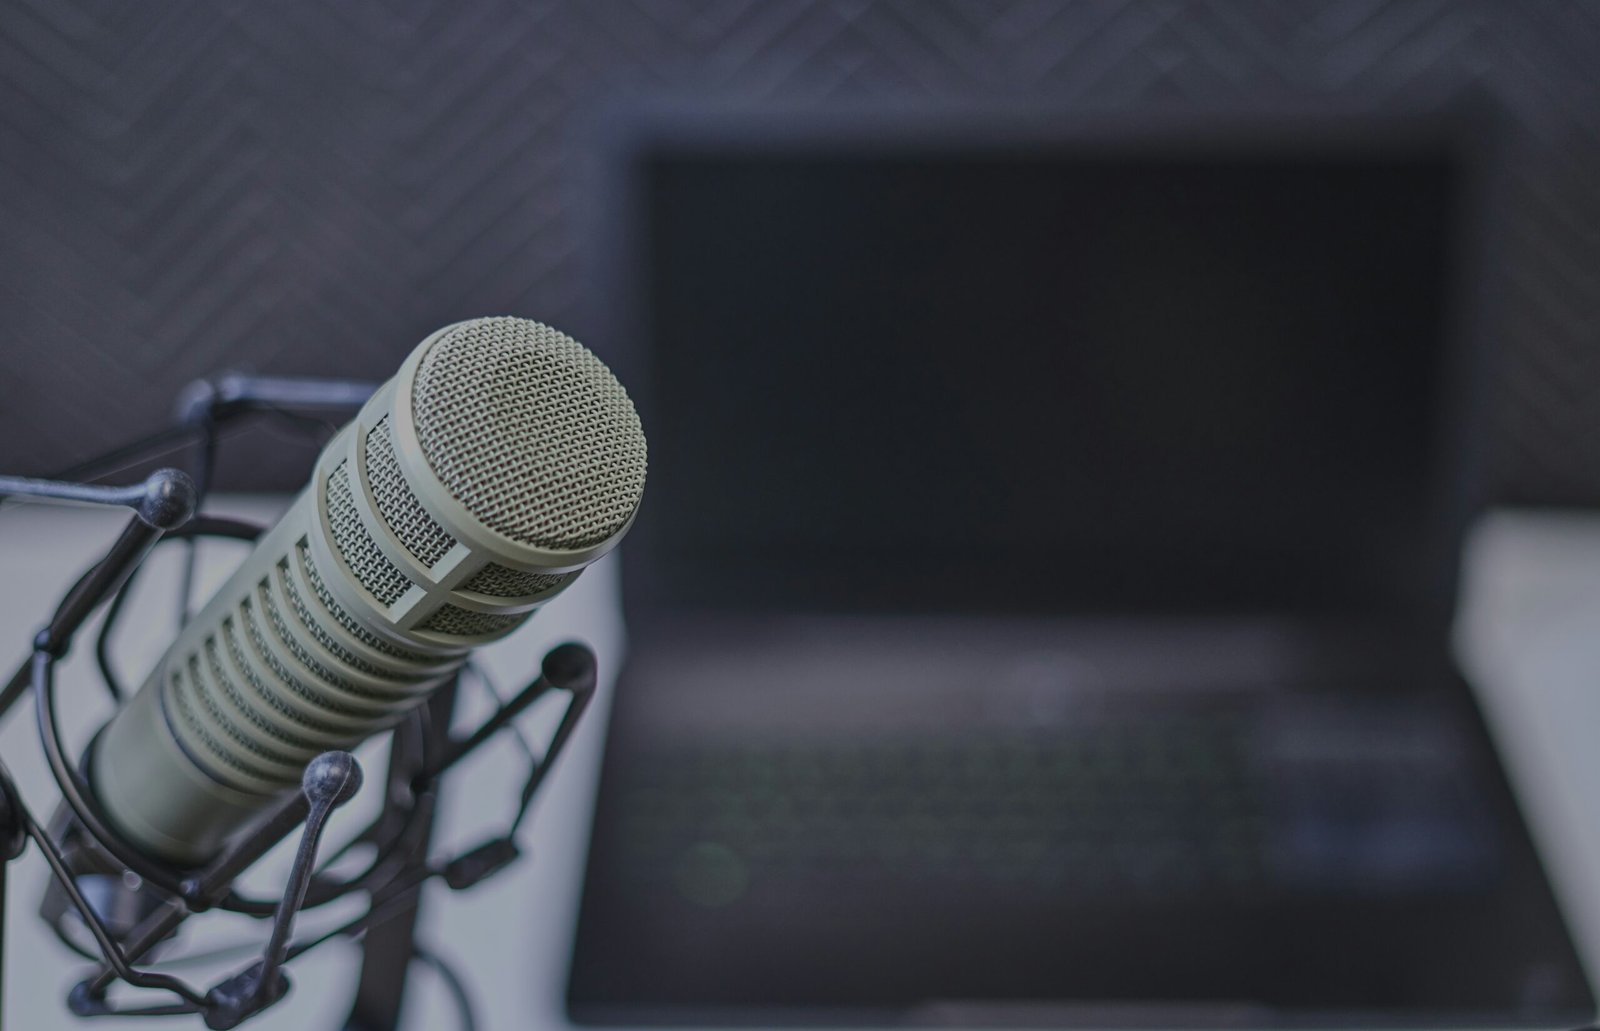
(530,432)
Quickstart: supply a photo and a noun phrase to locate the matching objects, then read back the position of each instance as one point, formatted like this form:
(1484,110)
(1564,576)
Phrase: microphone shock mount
(129,903)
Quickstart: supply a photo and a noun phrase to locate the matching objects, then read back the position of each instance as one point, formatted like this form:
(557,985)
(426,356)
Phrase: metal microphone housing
(472,488)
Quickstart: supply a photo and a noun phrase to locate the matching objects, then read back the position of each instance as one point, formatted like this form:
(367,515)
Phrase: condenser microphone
(471,488)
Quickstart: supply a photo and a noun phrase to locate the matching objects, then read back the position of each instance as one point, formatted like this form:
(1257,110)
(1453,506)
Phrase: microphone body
(471,489)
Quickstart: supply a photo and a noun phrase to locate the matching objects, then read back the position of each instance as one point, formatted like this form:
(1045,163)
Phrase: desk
(1529,632)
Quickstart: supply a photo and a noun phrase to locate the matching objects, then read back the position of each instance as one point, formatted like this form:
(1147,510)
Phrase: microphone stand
(423,750)
(386,958)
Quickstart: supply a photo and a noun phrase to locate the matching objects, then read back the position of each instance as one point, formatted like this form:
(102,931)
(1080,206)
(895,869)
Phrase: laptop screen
(1167,377)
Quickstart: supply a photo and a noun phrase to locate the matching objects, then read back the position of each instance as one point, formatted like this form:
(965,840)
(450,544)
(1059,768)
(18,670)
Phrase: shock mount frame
(165,507)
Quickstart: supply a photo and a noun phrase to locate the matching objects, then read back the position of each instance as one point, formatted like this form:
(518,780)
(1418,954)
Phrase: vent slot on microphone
(329,680)
(459,622)
(422,536)
(320,732)
(344,619)
(381,578)
(297,749)
(252,628)
(194,703)
(331,669)
(192,732)
(504,582)
(298,649)
(312,625)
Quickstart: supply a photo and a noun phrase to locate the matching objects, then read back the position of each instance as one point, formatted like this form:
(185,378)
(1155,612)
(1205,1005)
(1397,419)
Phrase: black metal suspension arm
(210,400)
(164,501)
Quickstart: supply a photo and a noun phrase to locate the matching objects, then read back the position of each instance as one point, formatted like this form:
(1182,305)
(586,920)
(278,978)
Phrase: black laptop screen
(1044,379)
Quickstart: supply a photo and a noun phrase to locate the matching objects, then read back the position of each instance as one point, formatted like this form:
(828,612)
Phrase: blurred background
(309,187)
(1123,474)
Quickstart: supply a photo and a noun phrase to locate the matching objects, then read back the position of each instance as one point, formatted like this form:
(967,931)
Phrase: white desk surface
(1529,633)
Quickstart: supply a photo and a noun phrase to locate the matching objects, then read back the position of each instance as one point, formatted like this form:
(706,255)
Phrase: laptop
(1041,611)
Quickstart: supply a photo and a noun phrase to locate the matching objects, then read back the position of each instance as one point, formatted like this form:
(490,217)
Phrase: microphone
(471,488)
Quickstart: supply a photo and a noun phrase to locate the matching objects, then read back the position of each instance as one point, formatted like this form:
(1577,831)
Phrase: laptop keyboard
(1136,804)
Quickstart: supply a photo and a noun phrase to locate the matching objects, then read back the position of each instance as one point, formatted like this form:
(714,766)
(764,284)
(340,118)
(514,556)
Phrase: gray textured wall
(309,187)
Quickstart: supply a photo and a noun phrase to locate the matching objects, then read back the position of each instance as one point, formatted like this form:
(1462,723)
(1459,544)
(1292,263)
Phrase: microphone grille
(530,432)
